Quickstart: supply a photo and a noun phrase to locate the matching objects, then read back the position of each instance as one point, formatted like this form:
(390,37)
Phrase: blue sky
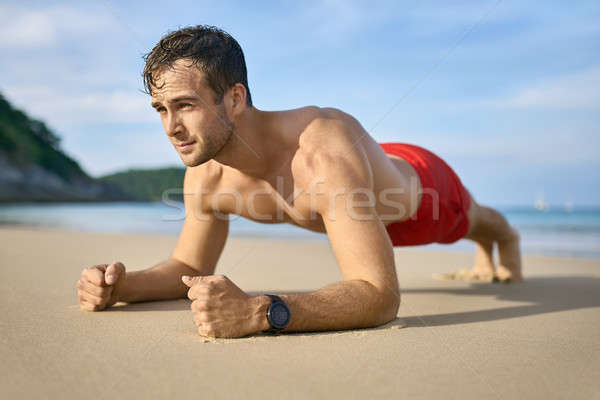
(507,92)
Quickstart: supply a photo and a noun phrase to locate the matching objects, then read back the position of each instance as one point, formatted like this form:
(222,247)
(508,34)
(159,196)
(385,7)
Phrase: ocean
(556,232)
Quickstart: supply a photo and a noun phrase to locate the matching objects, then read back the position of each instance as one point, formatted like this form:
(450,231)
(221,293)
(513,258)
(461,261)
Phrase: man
(313,167)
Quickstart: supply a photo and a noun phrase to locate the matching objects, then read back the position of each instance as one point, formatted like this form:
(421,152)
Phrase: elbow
(389,309)
(386,306)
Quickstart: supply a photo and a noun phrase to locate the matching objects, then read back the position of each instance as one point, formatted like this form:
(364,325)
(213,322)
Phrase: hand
(221,309)
(100,286)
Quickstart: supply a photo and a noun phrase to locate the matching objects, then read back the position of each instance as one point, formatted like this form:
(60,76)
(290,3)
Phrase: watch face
(279,315)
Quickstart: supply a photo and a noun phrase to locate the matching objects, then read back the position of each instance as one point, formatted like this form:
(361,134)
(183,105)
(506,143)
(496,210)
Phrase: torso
(278,198)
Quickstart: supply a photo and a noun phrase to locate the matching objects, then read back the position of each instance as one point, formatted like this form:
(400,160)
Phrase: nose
(172,124)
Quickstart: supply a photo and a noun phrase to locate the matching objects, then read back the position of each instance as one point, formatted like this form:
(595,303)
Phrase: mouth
(186,146)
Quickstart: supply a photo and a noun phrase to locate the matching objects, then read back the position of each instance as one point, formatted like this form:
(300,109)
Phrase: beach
(453,340)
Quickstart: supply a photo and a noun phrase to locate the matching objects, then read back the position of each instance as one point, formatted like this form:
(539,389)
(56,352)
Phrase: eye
(160,109)
(185,106)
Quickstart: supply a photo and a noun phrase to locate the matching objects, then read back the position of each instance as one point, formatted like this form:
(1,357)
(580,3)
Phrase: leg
(488,224)
(483,268)
(486,227)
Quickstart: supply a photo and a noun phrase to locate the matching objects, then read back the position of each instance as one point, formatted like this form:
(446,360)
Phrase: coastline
(451,339)
(562,234)
(310,237)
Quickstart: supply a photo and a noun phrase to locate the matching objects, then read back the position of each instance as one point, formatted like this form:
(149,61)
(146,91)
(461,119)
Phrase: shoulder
(327,129)
(330,148)
(202,177)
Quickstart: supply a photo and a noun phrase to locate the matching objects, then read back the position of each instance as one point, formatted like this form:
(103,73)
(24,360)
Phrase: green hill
(149,184)
(28,141)
(34,168)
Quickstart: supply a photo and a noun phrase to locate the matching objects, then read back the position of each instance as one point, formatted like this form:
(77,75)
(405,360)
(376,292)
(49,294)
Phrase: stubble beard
(218,137)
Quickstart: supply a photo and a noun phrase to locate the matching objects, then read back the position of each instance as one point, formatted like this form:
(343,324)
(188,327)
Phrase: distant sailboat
(541,204)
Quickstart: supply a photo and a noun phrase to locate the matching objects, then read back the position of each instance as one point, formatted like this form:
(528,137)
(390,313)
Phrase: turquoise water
(554,232)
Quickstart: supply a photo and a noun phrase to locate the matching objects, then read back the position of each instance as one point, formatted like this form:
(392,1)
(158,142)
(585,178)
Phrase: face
(197,127)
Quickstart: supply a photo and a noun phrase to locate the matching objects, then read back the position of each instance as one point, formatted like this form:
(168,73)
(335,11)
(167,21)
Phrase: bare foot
(483,271)
(509,265)
(475,275)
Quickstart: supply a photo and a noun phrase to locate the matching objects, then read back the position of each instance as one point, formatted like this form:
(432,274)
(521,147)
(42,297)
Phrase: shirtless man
(313,167)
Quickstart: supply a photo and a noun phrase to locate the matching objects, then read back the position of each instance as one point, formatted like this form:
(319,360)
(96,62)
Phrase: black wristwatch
(278,315)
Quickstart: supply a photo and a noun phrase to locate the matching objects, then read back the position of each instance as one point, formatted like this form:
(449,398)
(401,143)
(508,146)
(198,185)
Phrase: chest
(270,201)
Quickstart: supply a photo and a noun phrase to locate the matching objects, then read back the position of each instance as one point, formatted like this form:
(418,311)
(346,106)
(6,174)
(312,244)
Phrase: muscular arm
(160,282)
(369,294)
(197,252)
(342,305)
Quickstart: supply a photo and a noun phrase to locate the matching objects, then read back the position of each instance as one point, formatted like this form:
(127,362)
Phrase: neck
(251,146)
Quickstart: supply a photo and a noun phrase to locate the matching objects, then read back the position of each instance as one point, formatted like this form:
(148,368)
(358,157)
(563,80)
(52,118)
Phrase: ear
(237,98)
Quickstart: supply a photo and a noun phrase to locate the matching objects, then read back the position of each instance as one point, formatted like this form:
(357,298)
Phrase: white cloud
(329,22)
(574,91)
(434,18)
(60,108)
(62,65)
(21,27)
(26,29)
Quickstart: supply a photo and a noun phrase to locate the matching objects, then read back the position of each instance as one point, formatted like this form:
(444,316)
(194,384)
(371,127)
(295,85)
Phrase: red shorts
(445,223)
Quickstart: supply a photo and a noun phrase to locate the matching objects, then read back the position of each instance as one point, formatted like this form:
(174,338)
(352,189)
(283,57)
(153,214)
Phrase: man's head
(196,77)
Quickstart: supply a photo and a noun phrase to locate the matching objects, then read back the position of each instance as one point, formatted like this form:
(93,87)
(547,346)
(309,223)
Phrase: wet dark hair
(212,50)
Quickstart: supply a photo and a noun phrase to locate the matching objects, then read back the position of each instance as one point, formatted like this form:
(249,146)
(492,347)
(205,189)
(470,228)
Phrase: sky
(506,91)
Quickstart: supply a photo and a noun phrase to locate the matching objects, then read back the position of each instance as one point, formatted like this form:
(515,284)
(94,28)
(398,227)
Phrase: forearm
(161,282)
(342,305)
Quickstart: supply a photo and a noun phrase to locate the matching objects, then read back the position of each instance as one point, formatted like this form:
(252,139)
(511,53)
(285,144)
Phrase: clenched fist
(100,286)
(221,309)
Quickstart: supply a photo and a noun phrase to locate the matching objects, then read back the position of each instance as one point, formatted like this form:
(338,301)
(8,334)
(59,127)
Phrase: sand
(538,339)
